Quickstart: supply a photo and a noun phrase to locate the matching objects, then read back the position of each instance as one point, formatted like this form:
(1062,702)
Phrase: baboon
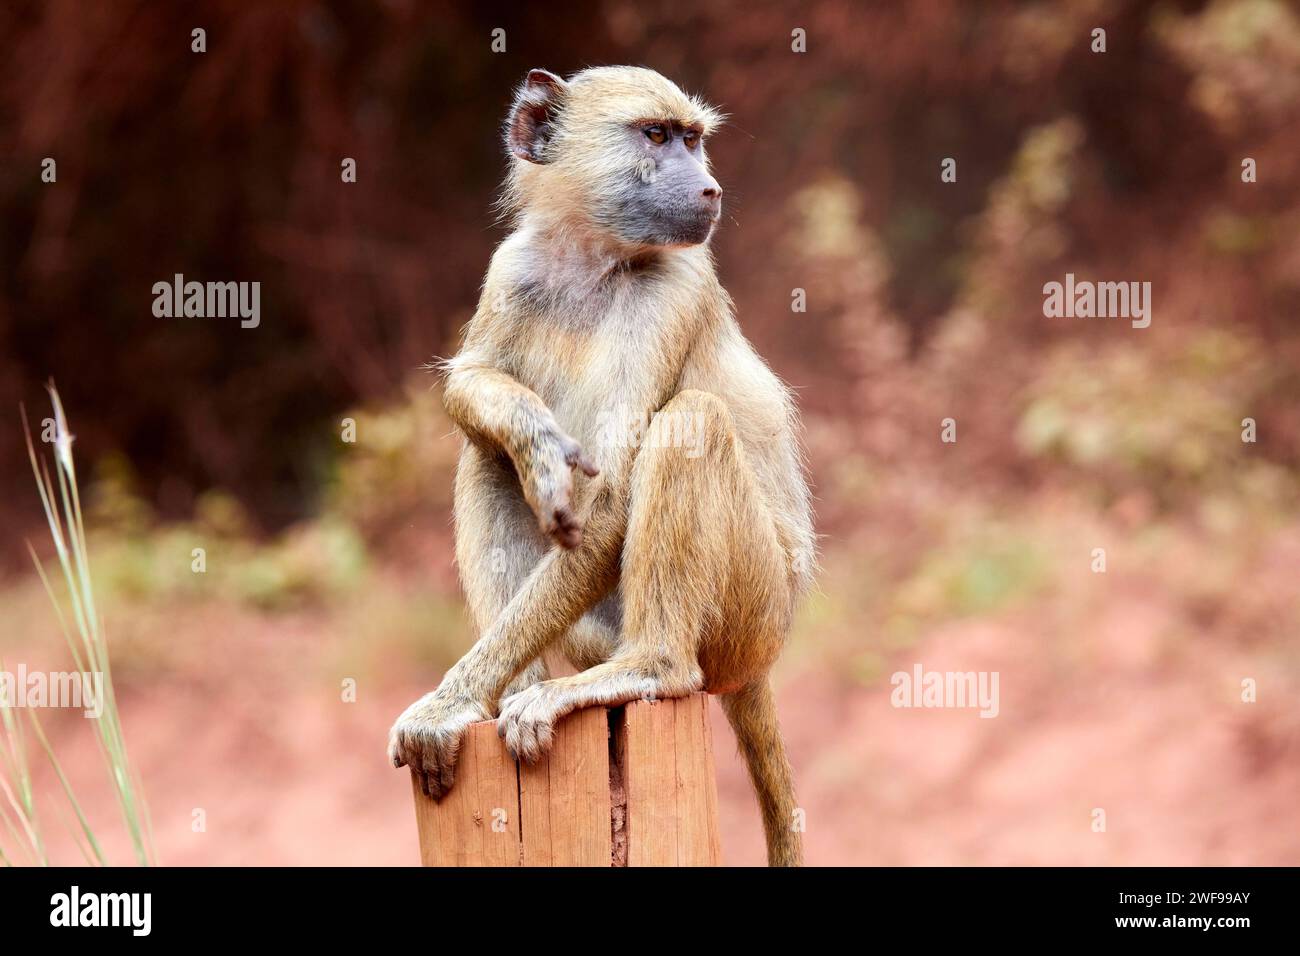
(631,490)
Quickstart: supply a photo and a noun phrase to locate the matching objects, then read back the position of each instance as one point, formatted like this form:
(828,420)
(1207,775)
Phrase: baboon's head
(618,150)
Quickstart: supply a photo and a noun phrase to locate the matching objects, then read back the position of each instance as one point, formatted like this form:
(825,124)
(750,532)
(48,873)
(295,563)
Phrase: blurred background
(329,560)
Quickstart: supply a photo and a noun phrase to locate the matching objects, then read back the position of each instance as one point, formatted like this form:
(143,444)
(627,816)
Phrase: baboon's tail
(752,713)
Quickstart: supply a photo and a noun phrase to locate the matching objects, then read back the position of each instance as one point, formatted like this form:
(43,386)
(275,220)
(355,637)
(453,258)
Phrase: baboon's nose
(711,199)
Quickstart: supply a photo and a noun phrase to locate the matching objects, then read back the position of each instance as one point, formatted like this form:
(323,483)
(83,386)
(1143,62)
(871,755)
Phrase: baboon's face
(672,199)
(617,149)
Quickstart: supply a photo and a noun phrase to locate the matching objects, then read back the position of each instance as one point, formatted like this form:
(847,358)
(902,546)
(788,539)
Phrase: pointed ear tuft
(532,117)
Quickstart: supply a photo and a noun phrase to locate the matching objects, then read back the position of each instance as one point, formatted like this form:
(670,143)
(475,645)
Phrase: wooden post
(631,786)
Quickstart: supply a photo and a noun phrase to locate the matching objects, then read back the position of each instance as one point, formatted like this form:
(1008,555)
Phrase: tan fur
(680,555)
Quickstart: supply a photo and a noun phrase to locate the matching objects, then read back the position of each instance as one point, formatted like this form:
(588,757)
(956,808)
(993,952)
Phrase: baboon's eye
(691,138)
(656,134)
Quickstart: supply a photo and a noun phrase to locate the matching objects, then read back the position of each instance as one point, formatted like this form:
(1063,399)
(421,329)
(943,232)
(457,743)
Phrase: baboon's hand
(548,484)
(427,737)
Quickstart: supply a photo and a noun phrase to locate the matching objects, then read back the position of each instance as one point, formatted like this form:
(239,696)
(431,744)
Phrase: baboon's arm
(564,586)
(494,410)
(498,414)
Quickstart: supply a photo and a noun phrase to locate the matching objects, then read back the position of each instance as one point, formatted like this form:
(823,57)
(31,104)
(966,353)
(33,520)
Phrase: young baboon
(631,490)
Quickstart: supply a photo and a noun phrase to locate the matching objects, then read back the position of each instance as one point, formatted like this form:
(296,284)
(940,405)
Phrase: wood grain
(672,796)
(558,811)
(477,823)
(565,798)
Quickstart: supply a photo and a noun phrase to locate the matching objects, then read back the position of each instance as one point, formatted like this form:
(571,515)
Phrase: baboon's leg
(498,543)
(594,638)
(563,585)
(703,582)
(534,673)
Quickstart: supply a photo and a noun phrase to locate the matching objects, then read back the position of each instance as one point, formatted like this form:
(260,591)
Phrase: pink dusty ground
(286,773)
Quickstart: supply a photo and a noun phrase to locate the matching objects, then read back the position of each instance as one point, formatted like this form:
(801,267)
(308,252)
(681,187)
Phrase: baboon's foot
(528,718)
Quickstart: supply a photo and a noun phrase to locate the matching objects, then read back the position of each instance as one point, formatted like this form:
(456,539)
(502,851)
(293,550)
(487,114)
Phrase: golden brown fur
(661,559)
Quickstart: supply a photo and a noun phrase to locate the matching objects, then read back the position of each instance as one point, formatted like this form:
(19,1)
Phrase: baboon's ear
(531,122)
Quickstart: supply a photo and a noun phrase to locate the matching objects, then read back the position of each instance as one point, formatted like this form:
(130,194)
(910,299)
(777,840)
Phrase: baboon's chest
(597,371)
